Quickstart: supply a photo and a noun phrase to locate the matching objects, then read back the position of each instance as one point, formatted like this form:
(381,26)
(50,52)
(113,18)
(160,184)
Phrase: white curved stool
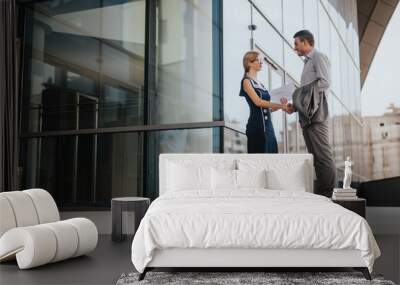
(31,230)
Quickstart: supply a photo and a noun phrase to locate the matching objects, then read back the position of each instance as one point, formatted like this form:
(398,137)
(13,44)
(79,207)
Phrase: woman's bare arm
(248,88)
(284,101)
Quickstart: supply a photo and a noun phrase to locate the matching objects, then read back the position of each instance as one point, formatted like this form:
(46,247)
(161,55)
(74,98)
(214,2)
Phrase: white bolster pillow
(87,234)
(7,218)
(32,246)
(45,205)
(40,244)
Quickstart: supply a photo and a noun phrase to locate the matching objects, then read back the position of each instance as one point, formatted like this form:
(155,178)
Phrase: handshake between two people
(287,107)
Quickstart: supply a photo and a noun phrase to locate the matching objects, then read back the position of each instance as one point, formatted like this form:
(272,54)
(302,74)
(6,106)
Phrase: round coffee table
(138,205)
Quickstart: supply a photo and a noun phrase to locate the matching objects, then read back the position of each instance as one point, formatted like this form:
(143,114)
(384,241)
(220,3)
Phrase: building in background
(109,85)
(381,144)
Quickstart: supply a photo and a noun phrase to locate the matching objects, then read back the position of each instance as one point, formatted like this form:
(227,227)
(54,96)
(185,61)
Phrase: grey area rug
(225,278)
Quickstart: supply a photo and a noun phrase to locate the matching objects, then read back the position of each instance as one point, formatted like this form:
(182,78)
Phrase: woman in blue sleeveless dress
(259,129)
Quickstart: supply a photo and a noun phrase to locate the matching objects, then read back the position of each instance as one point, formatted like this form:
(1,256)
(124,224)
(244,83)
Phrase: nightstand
(137,204)
(357,205)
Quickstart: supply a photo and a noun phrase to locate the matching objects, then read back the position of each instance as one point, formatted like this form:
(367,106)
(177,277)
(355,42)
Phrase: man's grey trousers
(316,137)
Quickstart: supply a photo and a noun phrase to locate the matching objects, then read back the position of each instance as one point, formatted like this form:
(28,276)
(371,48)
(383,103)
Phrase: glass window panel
(358,152)
(264,74)
(272,9)
(293,133)
(236,43)
(353,94)
(293,63)
(276,80)
(120,106)
(311,18)
(177,141)
(349,27)
(86,64)
(301,143)
(184,62)
(343,73)
(76,52)
(119,166)
(324,37)
(49,163)
(88,170)
(185,141)
(349,78)
(264,35)
(331,118)
(293,127)
(292,17)
(354,20)
(234,142)
(347,139)
(324,2)
(341,22)
(335,62)
(85,170)
(332,7)
(338,133)
(357,95)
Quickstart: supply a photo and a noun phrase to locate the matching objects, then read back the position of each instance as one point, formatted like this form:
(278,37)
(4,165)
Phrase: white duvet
(253,218)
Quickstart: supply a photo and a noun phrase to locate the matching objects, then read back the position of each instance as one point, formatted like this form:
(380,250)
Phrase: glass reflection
(184,72)
(177,141)
(276,80)
(267,38)
(85,170)
(84,65)
(236,111)
(234,142)
(292,17)
(272,9)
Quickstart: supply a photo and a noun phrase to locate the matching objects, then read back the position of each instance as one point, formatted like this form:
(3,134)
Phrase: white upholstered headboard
(215,157)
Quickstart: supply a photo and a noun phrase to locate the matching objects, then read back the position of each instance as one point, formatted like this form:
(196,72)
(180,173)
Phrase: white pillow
(193,173)
(251,178)
(292,179)
(223,179)
(283,173)
(188,177)
(228,179)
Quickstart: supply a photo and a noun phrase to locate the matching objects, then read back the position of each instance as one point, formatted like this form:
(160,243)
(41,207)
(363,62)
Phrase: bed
(247,211)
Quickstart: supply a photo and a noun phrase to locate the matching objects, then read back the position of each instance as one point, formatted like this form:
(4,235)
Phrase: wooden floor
(103,266)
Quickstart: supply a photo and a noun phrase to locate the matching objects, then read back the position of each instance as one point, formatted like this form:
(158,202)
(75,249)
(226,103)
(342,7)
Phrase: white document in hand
(285,91)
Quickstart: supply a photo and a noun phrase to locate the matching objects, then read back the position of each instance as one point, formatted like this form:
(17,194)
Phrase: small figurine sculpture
(347,173)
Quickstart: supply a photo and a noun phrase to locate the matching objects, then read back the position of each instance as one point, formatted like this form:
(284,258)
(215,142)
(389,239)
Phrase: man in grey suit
(316,136)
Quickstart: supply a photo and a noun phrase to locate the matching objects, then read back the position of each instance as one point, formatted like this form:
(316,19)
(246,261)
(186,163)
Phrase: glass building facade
(334,25)
(109,85)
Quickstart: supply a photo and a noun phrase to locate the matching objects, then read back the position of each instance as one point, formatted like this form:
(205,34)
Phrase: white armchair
(31,230)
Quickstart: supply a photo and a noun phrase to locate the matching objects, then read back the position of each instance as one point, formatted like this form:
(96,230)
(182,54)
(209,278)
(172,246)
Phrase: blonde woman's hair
(249,57)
